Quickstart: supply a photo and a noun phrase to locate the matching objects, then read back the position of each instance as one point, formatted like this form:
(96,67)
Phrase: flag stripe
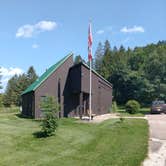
(89,43)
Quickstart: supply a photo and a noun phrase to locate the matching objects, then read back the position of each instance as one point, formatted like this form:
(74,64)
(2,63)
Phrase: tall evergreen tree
(122,49)
(1,95)
(31,75)
(0,79)
(107,46)
(99,57)
(105,66)
(10,97)
(78,59)
(115,49)
(16,85)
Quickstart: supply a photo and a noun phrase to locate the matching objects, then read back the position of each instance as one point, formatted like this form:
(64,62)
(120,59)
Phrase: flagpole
(90,70)
(90,92)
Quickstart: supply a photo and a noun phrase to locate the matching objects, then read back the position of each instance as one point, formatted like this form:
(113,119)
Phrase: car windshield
(158,102)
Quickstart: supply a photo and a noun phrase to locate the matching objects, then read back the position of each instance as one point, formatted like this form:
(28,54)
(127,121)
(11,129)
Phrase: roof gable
(94,71)
(45,75)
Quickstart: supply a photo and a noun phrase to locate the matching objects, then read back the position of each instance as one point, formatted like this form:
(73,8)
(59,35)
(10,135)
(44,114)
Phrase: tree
(78,59)
(0,79)
(1,96)
(105,65)
(50,107)
(138,73)
(1,100)
(107,46)
(122,49)
(31,75)
(99,57)
(10,97)
(16,85)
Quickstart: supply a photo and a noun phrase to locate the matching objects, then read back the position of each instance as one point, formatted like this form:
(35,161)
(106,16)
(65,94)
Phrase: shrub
(114,106)
(132,106)
(49,107)
(1,100)
(121,118)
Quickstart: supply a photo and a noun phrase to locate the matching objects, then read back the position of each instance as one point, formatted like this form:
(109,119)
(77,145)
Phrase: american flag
(89,43)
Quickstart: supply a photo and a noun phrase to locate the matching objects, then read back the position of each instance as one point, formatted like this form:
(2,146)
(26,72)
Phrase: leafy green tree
(50,107)
(138,73)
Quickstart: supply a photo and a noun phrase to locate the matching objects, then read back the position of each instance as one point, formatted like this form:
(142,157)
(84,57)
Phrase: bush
(114,106)
(132,106)
(1,100)
(121,118)
(50,107)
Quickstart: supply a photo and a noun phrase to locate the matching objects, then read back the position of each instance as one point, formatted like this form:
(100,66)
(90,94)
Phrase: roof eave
(25,92)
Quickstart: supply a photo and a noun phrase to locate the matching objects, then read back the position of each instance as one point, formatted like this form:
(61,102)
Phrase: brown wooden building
(69,83)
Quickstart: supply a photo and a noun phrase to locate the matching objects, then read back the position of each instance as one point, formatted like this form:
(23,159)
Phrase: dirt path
(157,141)
(100,118)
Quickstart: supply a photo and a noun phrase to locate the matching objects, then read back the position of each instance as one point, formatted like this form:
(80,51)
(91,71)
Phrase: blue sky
(41,32)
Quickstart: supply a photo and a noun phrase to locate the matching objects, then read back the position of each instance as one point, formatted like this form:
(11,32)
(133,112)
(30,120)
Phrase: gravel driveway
(157,141)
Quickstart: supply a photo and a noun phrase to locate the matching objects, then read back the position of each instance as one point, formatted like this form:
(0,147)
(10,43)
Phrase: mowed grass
(142,112)
(111,143)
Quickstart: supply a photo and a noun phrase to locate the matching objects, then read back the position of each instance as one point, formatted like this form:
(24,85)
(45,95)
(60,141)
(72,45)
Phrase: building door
(85,103)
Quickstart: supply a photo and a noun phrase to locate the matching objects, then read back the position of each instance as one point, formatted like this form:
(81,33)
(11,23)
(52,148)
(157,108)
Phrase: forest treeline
(15,86)
(138,73)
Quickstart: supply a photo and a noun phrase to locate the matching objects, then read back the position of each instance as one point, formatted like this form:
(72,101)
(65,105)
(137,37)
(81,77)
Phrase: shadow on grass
(40,134)
(19,115)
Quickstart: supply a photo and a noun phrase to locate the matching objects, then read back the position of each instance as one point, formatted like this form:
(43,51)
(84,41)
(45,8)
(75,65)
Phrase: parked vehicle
(158,106)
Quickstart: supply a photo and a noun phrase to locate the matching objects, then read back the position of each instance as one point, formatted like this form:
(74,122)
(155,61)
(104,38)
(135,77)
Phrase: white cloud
(7,73)
(100,32)
(46,25)
(10,71)
(35,45)
(27,31)
(104,30)
(133,29)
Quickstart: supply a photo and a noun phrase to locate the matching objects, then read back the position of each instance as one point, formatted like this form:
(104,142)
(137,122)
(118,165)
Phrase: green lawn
(9,109)
(111,143)
(142,112)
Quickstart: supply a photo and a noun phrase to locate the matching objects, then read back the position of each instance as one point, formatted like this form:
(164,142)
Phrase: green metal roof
(45,75)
